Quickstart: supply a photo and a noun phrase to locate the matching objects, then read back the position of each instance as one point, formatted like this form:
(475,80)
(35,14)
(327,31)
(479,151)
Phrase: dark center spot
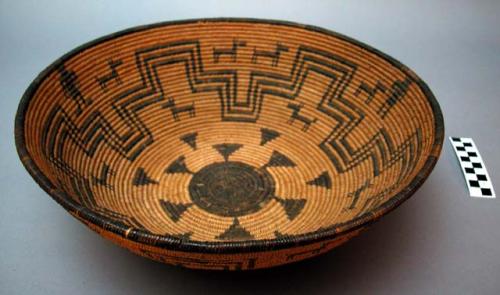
(231,188)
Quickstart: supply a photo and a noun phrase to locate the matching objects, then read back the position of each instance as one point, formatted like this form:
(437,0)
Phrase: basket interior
(229,131)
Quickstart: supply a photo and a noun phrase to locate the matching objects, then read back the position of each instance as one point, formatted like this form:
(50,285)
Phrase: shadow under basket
(228,143)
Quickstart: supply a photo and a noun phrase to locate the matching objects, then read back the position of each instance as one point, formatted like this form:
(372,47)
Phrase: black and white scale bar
(476,176)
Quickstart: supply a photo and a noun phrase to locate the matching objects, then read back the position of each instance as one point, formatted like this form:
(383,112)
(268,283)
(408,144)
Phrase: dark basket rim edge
(176,244)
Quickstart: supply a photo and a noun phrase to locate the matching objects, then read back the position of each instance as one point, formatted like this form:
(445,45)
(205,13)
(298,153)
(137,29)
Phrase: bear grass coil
(228,143)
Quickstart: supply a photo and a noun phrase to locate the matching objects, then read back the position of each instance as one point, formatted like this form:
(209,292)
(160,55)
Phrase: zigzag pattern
(225,82)
(88,136)
(96,129)
(380,149)
(307,59)
(188,53)
(190,262)
(81,188)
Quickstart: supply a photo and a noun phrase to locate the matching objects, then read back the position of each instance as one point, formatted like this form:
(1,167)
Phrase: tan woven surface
(226,131)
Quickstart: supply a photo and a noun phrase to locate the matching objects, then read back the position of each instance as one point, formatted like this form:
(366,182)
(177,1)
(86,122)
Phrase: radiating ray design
(104,176)
(235,232)
(178,166)
(268,135)
(226,149)
(279,160)
(190,139)
(292,207)
(174,210)
(323,180)
(142,178)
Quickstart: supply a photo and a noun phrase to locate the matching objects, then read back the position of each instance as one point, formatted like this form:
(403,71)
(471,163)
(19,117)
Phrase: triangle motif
(279,160)
(292,207)
(190,139)
(268,135)
(173,210)
(178,166)
(142,178)
(226,149)
(323,180)
(235,232)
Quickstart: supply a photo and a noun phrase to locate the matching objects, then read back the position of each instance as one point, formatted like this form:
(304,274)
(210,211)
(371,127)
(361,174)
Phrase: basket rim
(176,244)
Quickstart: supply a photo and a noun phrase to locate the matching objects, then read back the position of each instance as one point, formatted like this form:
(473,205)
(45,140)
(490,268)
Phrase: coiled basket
(228,143)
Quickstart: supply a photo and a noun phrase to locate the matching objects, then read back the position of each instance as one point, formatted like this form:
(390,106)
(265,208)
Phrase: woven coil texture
(228,143)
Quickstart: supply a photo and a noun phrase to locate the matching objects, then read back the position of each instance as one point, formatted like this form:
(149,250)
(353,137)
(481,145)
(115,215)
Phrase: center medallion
(231,188)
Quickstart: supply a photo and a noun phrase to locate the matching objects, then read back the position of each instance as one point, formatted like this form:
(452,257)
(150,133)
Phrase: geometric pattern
(323,180)
(174,211)
(475,173)
(82,188)
(339,71)
(142,178)
(235,232)
(133,136)
(379,149)
(190,139)
(225,131)
(313,137)
(228,188)
(268,135)
(129,136)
